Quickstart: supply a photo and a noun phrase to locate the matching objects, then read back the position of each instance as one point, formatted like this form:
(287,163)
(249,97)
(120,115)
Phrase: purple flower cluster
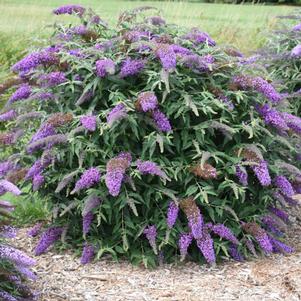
(172,214)
(161,121)
(43,96)
(205,245)
(116,169)
(151,168)
(297,27)
(147,101)
(5,296)
(5,167)
(242,175)
(52,79)
(6,186)
(9,115)
(258,84)
(198,37)
(87,221)
(280,213)
(23,92)
(69,9)
(80,30)
(89,122)
(117,113)
(271,225)
(49,237)
(15,256)
(234,253)
(131,67)
(184,242)
(151,233)
(224,232)
(179,50)
(35,230)
(33,60)
(105,67)
(8,231)
(89,178)
(167,57)
(262,173)
(38,167)
(273,117)
(135,35)
(296,51)
(88,254)
(293,122)
(279,246)
(284,185)
(250,246)
(37,181)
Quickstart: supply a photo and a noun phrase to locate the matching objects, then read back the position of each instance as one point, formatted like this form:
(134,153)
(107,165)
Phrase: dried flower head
(206,171)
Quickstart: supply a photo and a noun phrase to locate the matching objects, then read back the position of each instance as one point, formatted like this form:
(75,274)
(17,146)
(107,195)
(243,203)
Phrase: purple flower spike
(105,67)
(151,168)
(87,221)
(5,296)
(116,169)
(161,121)
(131,67)
(91,203)
(37,182)
(8,231)
(117,113)
(224,232)
(234,253)
(9,115)
(280,213)
(35,230)
(49,237)
(172,214)
(242,175)
(262,173)
(52,79)
(21,93)
(279,246)
(273,117)
(284,185)
(205,245)
(167,57)
(184,242)
(297,27)
(89,178)
(16,256)
(69,9)
(89,123)
(151,234)
(88,254)
(198,37)
(296,51)
(6,186)
(147,101)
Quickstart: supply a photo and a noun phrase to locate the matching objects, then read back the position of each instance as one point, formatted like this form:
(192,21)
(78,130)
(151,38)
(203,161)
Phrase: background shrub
(150,143)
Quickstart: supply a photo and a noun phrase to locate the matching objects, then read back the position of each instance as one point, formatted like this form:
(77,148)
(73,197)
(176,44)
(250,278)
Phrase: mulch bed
(277,277)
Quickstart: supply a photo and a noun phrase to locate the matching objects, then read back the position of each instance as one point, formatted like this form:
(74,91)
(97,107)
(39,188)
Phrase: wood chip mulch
(277,277)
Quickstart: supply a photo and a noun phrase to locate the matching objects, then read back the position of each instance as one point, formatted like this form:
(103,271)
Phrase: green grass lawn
(240,25)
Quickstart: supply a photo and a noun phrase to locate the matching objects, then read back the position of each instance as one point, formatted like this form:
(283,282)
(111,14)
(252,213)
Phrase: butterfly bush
(153,142)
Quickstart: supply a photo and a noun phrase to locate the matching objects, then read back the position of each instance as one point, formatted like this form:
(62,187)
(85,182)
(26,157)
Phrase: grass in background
(238,25)
(28,210)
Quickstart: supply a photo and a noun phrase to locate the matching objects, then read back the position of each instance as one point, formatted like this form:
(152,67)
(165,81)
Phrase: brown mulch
(278,277)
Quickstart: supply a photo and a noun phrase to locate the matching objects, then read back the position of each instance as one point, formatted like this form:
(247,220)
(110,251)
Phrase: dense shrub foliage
(150,143)
(14,264)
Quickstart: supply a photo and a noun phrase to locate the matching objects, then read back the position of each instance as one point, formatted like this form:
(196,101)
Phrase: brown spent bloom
(15,176)
(6,138)
(206,172)
(253,229)
(233,52)
(248,155)
(10,83)
(59,119)
(164,39)
(117,163)
(90,36)
(190,208)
